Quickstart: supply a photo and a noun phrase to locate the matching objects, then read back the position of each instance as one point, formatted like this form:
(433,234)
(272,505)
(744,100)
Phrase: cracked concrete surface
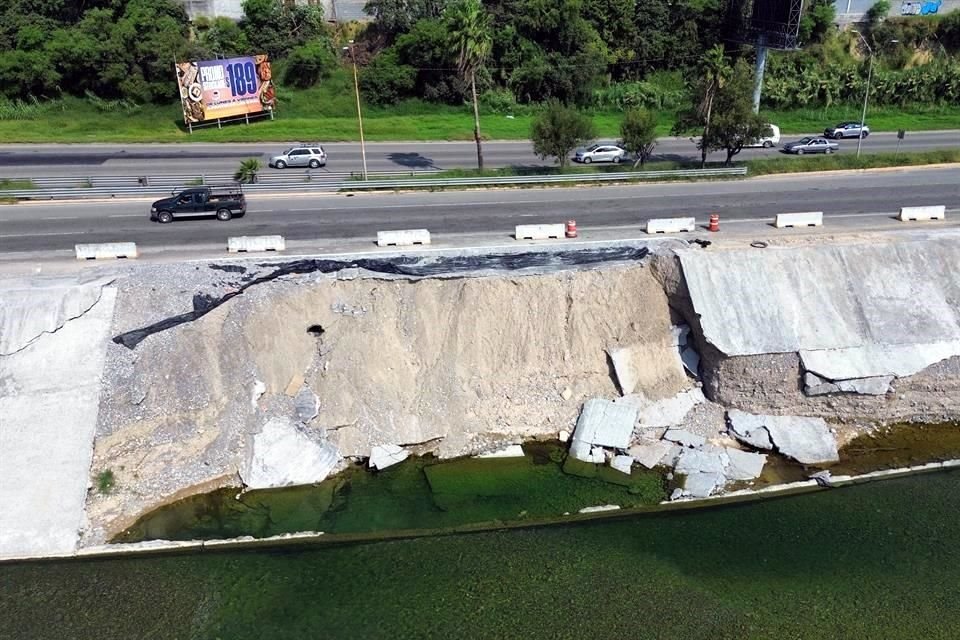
(54,335)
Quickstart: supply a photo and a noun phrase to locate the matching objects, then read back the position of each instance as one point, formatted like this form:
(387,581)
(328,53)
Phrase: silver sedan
(600,153)
(811,145)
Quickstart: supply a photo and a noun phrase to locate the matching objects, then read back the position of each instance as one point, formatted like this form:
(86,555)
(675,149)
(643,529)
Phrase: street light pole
(356,89)
(866,94)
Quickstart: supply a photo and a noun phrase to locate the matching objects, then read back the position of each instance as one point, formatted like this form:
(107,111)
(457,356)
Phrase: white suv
(313,157)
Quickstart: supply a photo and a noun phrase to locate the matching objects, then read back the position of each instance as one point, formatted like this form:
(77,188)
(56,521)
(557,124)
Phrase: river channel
(879,560)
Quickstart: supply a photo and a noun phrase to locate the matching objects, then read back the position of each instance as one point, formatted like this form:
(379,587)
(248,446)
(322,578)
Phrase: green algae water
(417,494)
(879,560)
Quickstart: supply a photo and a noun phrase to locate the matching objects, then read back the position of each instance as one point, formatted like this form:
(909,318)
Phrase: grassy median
(328,114)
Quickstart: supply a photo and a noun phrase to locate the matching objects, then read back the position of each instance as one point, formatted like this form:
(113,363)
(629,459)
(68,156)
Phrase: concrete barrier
(671,225)
(807,219)
(938,212)
(105,250)
(539,231)
(243,244)
(403,237)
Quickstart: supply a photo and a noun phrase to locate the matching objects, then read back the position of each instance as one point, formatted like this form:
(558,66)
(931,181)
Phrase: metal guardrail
(154,189)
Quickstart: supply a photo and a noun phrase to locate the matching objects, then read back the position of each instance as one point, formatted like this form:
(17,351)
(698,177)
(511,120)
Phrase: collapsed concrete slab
(386,455)
(814,385)
(651,368)
(282,455)
(701,485)
(877,360)
(605,423)
(649,455)
(666,412)
(510,451)
(622,464)
(684,438)
(806,440)
(744,465)
(709,459)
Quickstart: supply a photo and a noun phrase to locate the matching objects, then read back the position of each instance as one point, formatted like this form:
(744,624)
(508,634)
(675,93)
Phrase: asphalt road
(58,226)
(28,160)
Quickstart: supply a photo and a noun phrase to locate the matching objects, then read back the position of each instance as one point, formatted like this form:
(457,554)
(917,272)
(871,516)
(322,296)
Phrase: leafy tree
(558,130)
(470,36)
(222,36)
(427,49)
(714,73)
(638,132)
(275,28)
(394,17)
(817,21)
(385,80)
(310,63)
(877,12)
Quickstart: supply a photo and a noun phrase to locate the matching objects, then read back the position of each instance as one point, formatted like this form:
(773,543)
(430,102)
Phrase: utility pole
(356,89)
(758,71)
(866,93)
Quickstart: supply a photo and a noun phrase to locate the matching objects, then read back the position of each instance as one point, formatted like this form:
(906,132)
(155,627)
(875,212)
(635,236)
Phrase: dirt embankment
(454,366)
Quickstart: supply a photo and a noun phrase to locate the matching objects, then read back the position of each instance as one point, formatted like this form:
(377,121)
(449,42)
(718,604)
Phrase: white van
(770,141)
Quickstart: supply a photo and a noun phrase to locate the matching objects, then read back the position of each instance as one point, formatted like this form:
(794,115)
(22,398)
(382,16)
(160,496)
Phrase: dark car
(222,202)
(847,130)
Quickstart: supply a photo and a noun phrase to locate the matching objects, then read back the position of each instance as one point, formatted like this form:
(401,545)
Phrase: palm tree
(471,37)
(716,72)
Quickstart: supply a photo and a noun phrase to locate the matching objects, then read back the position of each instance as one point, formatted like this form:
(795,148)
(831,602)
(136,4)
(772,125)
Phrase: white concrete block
(386,455)
(622,464)
(403,237)
(599,509)
(242,244)
(671,225)
(539,231)
(807,219)
(605,424)
(106,250)
(510,451)
(938,212)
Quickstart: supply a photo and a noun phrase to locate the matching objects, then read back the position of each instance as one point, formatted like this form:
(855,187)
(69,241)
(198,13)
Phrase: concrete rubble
(510,451)
(649,455)
(684,438)
(602,423)
(386,455)
(621,463)
(282,455)
(806,440)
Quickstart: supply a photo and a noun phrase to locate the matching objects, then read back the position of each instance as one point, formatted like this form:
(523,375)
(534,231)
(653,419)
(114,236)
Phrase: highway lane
(50,227)
(22,160)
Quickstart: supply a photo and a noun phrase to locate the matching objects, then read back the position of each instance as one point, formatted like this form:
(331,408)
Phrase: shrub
(385,80)
(105,481)
(310,63)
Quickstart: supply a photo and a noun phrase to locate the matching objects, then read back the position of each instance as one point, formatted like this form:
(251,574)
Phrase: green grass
(106,481)
(16,185)
(837,162)
(327,113)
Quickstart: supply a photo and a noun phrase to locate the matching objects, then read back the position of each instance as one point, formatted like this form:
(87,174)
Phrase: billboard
(214,89)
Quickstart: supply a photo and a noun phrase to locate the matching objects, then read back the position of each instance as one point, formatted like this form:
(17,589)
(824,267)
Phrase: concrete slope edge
(157,547)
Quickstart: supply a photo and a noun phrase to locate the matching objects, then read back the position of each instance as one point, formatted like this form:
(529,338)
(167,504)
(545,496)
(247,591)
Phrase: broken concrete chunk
(510,451)
(651,368)
(606,424)
(386,455)
(295,384)
(691,361)
(283,455)
(307,404)
(566,394)
(806,440)
(823,478)
(677,494)
(701,485)
(563,436)
(584,452)
(814,385)
(744,465)
(670,411)
(622,463)
(681,334)
(598,509)
(649,455)
(684,438)
(707,460)
(866,386)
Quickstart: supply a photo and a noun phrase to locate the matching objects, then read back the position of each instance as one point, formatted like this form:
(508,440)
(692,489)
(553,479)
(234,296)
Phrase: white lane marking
(310,209)
(128,215)
(61,218)
(33,235)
